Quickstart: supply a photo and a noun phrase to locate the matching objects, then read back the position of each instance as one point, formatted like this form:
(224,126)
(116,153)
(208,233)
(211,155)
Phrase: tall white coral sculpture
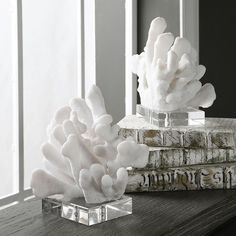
(169,73)
(84,156)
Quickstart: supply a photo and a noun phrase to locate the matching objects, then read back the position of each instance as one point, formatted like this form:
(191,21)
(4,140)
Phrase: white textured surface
(168,72)
(50,69)
(84,154)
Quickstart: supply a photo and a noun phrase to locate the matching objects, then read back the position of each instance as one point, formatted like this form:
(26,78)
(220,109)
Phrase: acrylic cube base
(185,117)
(88,214)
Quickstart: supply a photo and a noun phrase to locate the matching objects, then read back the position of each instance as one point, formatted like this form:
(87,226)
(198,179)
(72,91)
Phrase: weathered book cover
(213,176)
(164,157)
(216,133)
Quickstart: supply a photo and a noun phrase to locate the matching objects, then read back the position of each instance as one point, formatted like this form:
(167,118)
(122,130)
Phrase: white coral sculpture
(84,156)
(169,73)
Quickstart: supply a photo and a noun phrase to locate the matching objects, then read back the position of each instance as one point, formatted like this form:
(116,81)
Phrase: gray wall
(149,9)
(110,55)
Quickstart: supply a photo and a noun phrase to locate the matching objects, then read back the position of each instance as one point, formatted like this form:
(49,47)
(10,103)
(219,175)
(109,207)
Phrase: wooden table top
(159,213)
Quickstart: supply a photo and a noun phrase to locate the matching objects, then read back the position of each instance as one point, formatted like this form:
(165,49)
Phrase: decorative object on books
(169,74)
(183,117)
(84,156)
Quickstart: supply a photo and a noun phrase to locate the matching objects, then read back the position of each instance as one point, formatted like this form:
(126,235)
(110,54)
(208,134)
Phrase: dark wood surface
(163,213)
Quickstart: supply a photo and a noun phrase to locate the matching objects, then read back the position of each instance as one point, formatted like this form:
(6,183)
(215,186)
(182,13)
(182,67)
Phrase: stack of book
(183,158)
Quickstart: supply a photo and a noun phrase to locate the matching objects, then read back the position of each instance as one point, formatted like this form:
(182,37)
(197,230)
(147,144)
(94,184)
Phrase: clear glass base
(88,214)
(185,117)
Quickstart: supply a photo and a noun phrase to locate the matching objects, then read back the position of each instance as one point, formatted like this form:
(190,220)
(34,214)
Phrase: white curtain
(6,99)
(50,78)
(50,69)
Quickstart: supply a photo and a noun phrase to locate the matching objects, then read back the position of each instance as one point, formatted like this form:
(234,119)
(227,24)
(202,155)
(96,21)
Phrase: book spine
(186,178)
(177,157)
(182,138)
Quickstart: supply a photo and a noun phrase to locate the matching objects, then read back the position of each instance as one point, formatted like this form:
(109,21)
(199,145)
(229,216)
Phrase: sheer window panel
(8,160)
(50,69)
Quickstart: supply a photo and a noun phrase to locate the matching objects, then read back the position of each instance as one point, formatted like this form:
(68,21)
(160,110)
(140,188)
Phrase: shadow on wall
(217,53)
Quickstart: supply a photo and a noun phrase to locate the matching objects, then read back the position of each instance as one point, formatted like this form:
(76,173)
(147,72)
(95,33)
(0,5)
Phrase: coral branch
(168,72)
(84,153)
